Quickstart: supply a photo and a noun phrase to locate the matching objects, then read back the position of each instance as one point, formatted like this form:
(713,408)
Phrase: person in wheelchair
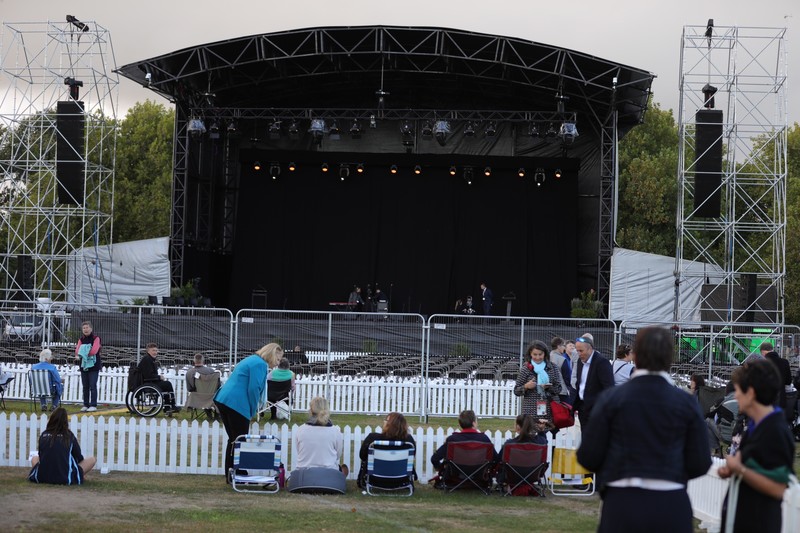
(148,370)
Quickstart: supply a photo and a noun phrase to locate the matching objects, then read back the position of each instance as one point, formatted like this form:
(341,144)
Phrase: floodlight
(324,167)
(355,129)
(468,175)
(568,132)
(487,171)
(521,172)
(551,132)
(213,130)
(491,129)
(257,166)
(533,130)
(294,130)
(393,169)
(557,173)
(539,177)
(441,129)
(275,130)
(195,126)
(372,122)
(360,168)
(334,133)
(469,129)
(344,171)
(317,128)
(407,128)
(417,170)
(453,170)
(292,167)
(427,130)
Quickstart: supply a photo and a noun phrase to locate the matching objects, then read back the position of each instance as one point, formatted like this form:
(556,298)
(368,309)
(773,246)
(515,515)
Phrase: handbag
(563,416)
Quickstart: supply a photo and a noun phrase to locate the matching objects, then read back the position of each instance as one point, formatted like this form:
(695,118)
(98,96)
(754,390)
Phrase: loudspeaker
(70,165)
(24,274)
(750,282)
(708,163)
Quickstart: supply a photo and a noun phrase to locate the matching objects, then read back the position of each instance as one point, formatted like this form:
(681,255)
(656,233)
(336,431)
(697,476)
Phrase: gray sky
(645,34)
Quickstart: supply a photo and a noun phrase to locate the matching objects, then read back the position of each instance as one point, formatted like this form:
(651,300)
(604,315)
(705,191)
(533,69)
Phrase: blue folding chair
(390,467)
(260,457)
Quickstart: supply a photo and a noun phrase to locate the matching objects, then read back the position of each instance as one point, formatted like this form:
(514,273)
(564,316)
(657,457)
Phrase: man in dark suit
(784,369)
(487,295)
(594,375)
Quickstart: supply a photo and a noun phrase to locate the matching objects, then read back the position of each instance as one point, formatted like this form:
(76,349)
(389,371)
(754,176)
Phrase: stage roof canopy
(418,68)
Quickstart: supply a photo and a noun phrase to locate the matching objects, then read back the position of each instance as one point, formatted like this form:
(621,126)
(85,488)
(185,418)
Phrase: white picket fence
(347,394)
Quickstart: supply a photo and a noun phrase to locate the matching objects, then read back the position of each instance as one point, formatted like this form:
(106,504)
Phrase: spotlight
(324,167)
(441,129)
(417,170)
(274,170)
(355,129)
(551,131)
(468,175)
(533,130)
(292,167)
(491,129)
(521,172)
(568,132)
(334,133)
(213,130)
(557,173)
(372,122)
(487,171)
(294,131)
(427,130)
(317,129)
(360,168)
(344,171)
(231,129)
(453,170)
(539,177)
(275,130)
(393,169)
(148,79)
(407,128)
(196,126)
(257,166)
(469,129)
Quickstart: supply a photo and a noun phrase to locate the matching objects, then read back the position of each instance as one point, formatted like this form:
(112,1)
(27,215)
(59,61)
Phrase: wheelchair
(143,399)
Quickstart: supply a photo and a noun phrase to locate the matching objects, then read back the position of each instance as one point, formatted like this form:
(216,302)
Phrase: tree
(143,187)
(648,163)
(792,288)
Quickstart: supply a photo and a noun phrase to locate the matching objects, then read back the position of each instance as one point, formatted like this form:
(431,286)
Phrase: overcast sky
(641,33)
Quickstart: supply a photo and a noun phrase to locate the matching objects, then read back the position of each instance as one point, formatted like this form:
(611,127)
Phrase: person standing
(87,357)
(538,383)
(488,297)
(784,370)
(645,441)
(243,394)
(594,375)
(622,366)
(354,301)
(763,463)
(56,387)
(60,461)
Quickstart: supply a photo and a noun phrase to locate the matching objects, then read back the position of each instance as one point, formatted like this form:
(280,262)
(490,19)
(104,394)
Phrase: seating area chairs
(567,476)
(5,380)
(522,469)
(390,467)
(468,464)
(277,392)
(40,385)
(256,464)
(201,400)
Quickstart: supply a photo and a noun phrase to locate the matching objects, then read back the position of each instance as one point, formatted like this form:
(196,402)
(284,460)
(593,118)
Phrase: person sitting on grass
(319,443)
(60,461)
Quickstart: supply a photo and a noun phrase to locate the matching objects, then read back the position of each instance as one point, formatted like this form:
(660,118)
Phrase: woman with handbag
(538,383)
(762,467)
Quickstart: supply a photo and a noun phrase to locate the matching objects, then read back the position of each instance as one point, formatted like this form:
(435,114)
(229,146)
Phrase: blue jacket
(246,387)
(55,378)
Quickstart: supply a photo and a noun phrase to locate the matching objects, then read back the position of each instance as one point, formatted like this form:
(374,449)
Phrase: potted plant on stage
(587,306)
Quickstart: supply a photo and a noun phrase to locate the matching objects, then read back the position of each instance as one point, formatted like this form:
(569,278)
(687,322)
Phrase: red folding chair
(523,468)
(468,464)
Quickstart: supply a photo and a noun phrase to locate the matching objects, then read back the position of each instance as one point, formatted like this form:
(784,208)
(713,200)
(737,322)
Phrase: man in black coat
(784,369)
(594,375)
(148,370)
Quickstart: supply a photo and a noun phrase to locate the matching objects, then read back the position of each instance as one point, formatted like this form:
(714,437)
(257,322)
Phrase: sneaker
(91,409)
(84,409)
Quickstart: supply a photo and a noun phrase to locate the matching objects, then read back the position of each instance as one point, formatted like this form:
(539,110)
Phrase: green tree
(792,289)
(143,186)
(648,163)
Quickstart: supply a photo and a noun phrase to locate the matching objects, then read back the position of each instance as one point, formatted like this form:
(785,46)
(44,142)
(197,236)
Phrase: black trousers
(235,425)
(630,510)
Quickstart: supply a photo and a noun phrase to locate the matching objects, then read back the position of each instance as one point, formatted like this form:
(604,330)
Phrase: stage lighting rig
(324,167)
(355,129)
(521,172)
(539,177)
(360,168)
(213,130)
(334,133)
(195,127)
(468,175)
(317,129)
(393,169)
(533,130)
(294,130)
(568,132)
(469,129)
(274,170)
(453,170)
(148,79)
(491,129)
(427,130)
(74,87)
(487,171)
(81,26)
(441,129)
(417,170)
(344,171)
(557,174)
(373,123)
(275,130)
(292,167)
(257,166)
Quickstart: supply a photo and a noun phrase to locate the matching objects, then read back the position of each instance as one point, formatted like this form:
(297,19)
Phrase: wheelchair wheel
(146,401)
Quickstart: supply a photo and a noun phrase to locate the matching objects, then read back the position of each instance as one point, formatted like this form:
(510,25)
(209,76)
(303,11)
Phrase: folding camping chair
(5,382)
(201,400)
(390,467)
(522,468)
(277,392)
(567,476)
(260,457)
(39,382)
(468,464)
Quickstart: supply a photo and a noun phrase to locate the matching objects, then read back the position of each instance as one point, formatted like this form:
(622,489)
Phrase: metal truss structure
(397,73)
(734,263)
(47,248)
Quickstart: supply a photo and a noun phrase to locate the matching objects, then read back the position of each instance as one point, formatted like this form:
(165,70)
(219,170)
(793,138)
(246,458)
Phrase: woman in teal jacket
(244,392)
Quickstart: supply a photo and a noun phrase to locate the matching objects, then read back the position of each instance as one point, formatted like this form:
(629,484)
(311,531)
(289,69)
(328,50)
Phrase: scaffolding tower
(730,264)
(53,74)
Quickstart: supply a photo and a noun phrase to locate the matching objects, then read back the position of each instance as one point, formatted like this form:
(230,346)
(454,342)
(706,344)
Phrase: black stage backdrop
(426,240)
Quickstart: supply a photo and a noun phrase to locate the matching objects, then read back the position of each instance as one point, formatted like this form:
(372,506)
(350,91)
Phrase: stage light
(294,131)
(355,129)
(453,170)
(487,171)
(427,130)
(469,129)
(195,126)
(275,130)
(533,130)
(468,175)
(539,177)
(521,172)
(344,171)
(568,132)
(292,167)
(274,170)
(407,128)
(317,129)
(393,169)
(441,129)
(231,129)
(708,95)
(148,79)
(491,129)
(213,130)
(551,131)
(360,168)
(417,170)
(257,166)
(372,122)
(334,133)
(557,173)
(324,167)
(74,87)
